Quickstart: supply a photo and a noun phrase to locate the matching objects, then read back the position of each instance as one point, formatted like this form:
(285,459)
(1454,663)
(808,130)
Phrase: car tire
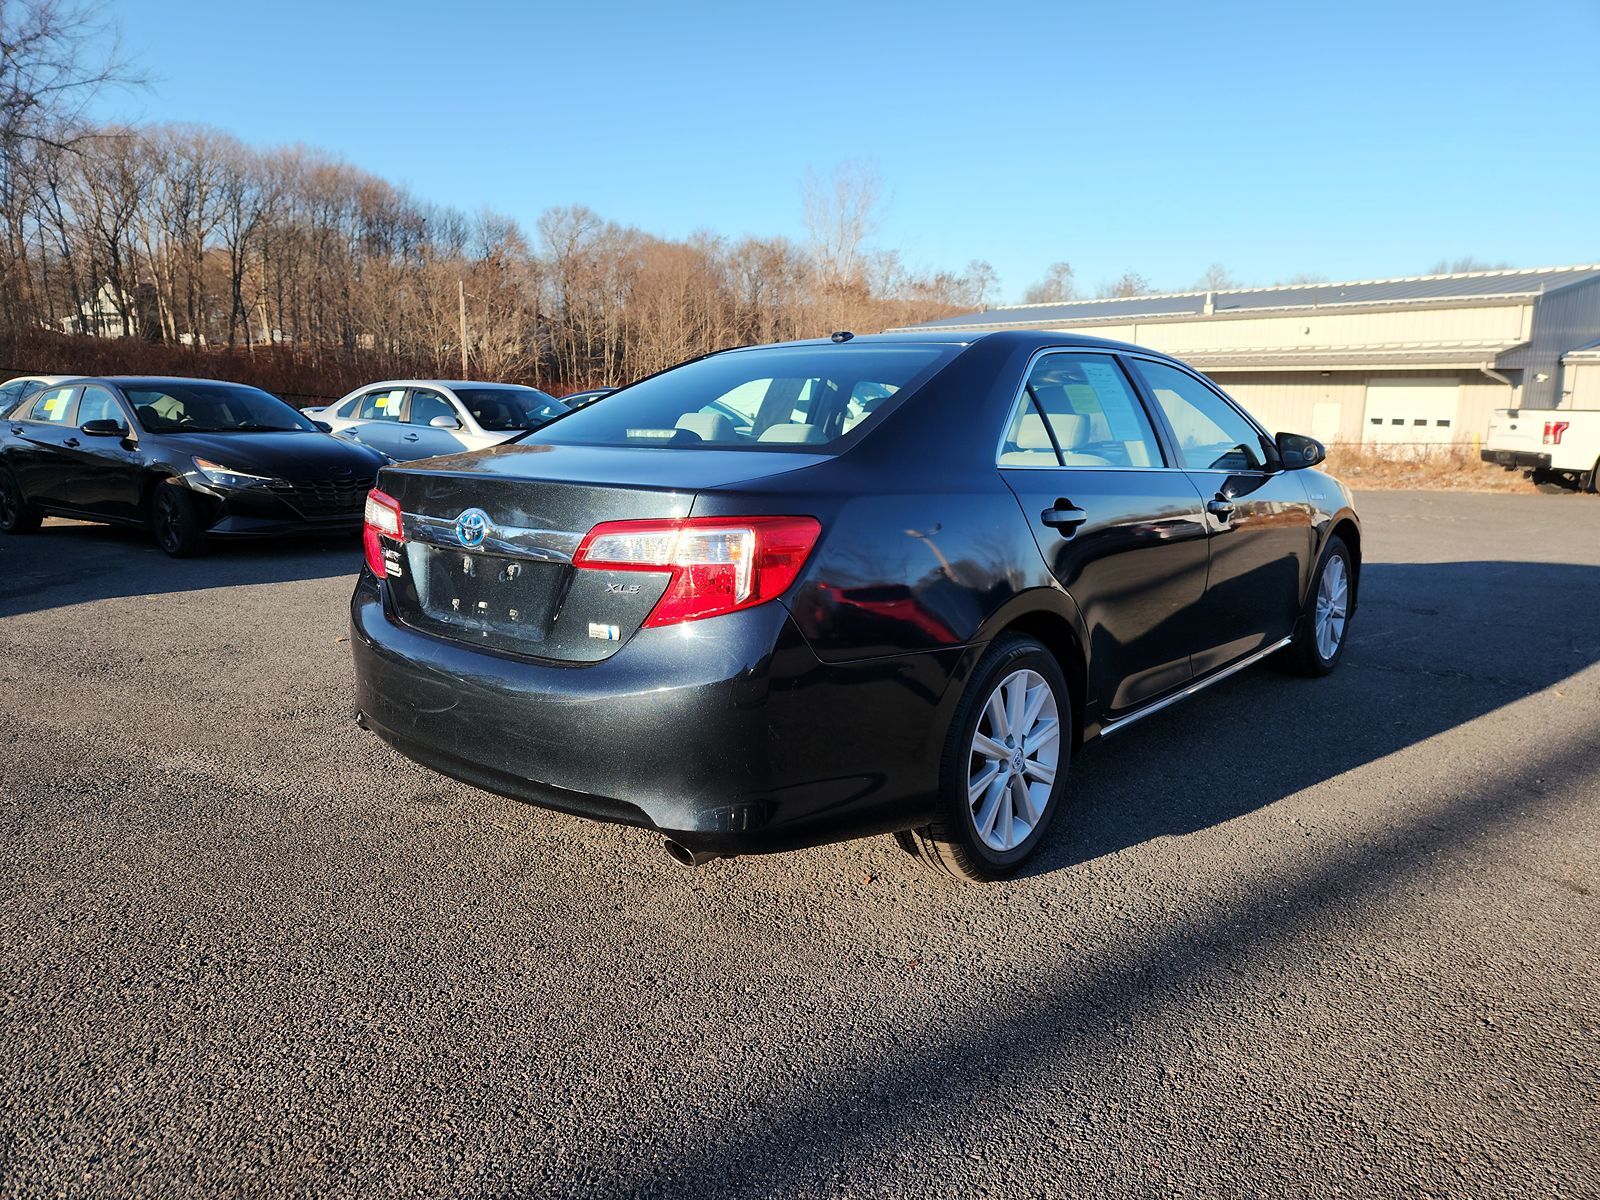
(174,521)
(983,796)
(1324,625)
(16,514)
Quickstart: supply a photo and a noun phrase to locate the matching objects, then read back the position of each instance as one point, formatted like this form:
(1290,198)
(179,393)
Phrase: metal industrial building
(1423,359)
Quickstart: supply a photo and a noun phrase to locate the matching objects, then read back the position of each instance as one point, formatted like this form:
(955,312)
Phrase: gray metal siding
(1563,320)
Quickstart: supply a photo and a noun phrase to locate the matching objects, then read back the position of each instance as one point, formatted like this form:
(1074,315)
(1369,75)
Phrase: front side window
(425,406)
(97,404)
(1079,410)
(178,406)
(54,407)
(385,405)
(1211,434)
(509,409)
(782,398)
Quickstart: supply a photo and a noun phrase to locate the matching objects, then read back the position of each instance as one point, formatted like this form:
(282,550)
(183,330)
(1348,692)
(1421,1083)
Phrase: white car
(420,418)
(13,390)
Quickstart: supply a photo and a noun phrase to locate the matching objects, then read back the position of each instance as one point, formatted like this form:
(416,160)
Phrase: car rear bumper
(729,734)
(1515,458)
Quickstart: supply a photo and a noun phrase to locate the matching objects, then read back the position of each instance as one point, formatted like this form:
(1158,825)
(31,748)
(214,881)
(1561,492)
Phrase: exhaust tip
(685,857)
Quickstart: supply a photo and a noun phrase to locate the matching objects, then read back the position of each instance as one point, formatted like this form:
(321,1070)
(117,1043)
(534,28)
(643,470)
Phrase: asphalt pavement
(1291,938)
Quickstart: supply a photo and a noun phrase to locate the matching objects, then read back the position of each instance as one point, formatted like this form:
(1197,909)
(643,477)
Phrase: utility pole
(461,298)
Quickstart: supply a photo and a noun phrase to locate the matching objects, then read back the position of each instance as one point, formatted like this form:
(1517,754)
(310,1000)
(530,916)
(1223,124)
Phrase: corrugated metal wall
(1289,401)
(1303,331)
(1583,380)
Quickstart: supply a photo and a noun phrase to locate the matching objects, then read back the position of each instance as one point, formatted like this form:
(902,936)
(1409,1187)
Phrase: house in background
(1420,359)
(101,316)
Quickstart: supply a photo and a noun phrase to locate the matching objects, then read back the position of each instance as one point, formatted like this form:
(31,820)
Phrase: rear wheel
(1004,767)
(16,514)
(1320,634)
(174,521)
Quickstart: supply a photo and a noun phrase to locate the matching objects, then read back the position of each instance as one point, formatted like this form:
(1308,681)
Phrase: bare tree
(1057,285)
(1216,279)
(1455,266)
(1130,283)
(841,215)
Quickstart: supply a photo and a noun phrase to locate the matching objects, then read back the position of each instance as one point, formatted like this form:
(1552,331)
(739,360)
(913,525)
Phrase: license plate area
(490,600)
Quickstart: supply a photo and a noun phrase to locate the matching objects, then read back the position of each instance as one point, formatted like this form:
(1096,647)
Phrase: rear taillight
(1553,431)
(382,521)
(718,564)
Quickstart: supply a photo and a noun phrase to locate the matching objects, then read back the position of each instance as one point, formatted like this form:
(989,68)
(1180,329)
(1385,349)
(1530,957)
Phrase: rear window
(796,398)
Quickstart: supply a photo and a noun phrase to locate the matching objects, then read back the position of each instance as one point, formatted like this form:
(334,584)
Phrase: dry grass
(1433,468)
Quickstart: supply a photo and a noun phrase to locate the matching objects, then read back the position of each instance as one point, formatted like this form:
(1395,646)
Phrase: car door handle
(410,437)
(16,431)
(1221,508)
(71,443)
(1064,516)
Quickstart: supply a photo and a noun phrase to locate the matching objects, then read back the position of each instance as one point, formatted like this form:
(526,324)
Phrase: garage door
(1411,414)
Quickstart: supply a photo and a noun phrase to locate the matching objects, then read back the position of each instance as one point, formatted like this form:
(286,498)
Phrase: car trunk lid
(489,538)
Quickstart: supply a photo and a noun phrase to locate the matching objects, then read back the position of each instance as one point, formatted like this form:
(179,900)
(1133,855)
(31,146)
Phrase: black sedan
(190,459)
(792,594)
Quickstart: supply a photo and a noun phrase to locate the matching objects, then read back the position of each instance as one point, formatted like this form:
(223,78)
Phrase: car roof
(449,383)
(1034,338)
(34,379)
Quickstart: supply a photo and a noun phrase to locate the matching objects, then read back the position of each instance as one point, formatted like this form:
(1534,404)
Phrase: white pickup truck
(1548,443)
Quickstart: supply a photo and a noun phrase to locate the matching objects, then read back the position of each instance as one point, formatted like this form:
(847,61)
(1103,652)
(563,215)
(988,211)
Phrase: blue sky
(1347,140)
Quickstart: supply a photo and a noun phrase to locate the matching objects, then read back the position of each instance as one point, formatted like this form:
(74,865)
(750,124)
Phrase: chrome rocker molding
(1166,702)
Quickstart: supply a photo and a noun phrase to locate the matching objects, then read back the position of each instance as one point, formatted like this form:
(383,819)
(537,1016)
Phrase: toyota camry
(792,594)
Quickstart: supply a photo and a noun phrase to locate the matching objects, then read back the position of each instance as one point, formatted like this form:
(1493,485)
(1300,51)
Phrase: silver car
(420,418)
(14,391)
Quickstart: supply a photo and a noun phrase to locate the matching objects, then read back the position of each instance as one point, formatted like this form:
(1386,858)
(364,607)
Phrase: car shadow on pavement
(1432,646)
(74,563)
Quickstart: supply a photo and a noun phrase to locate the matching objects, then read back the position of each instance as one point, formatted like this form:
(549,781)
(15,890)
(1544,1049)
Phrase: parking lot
(1294,937)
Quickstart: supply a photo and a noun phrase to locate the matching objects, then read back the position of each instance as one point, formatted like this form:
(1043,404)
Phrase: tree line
(183,238)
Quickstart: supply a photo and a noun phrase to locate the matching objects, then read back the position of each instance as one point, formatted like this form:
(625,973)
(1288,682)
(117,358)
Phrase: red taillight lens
(382,521)
(718,564)
(1553,431)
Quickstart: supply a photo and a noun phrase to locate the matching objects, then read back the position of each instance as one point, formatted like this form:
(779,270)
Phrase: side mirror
(444,422)
(322,425)
(1298,451)
(104,427)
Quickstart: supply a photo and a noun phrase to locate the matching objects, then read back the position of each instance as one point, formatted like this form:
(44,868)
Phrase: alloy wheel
(1012,765)
(1333,604)
(167,519)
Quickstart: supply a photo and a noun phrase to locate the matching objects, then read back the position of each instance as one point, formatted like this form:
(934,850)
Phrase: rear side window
(382,406)
(1079,410)
(783,398)
(54,406)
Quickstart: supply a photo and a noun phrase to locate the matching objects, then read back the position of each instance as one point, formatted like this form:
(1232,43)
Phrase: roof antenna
(841,335)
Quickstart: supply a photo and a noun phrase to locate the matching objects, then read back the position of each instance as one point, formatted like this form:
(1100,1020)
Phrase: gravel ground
(1293,938)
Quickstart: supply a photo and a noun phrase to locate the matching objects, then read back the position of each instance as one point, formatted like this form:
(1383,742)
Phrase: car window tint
(348,408)
(1083,406)
(385,405)
(795,398)
(9,394)
(97,404)
(425,406)
(1211,434)
(53,406)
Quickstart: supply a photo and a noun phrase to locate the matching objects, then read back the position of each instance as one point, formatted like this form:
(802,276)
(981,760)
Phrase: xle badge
(622,589)
(606,633)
